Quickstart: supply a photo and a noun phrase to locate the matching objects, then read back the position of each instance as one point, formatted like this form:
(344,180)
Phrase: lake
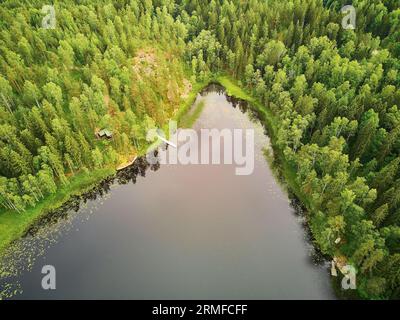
(176,232)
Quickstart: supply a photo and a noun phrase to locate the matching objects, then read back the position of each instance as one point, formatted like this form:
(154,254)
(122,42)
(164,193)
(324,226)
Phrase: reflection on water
(176,232)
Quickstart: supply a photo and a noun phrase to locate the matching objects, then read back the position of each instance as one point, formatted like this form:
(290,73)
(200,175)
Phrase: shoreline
(15,225)
(233,90)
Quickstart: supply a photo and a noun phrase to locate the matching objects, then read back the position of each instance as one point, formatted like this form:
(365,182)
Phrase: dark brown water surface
(177,232)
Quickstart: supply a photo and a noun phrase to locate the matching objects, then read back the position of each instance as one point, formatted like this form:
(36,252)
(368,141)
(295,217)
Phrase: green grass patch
(233,89)
(189,119)
(187,104)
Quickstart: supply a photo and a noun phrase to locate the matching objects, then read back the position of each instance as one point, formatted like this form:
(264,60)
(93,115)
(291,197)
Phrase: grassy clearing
(187,104)
(232,88)
(188,120)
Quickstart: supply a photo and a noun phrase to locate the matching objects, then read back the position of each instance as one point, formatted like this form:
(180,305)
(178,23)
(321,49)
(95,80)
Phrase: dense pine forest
(332,96)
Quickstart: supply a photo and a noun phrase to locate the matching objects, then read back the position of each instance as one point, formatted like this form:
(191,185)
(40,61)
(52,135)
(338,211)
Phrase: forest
(126,66)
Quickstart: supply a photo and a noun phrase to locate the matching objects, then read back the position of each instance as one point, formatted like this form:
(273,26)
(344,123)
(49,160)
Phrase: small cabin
(104,134)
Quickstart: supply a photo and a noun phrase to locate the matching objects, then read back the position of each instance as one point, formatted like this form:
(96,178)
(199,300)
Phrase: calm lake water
(176,232)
